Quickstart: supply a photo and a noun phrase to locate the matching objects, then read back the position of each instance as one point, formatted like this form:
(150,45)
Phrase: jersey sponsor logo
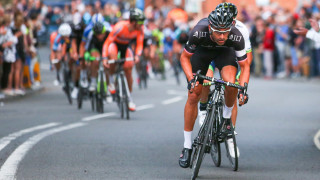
(235,38)
(195,34)
(199,34)
(203,34)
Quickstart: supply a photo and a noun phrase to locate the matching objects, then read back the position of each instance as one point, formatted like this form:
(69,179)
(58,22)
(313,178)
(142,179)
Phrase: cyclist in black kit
(213,38)
(77,27)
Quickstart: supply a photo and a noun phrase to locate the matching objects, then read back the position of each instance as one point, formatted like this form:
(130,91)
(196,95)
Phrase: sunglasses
(220,32)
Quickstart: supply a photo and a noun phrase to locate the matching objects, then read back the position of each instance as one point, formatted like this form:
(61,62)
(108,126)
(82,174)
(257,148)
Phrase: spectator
(19,30)
(8,50)
(312,34)
(256,38)
(268,45)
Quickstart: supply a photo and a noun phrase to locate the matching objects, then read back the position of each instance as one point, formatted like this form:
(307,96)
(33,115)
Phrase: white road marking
(6,140)
(172,100)
(90,118)
(174,92)
(316,140)
(9,168)
(143,107)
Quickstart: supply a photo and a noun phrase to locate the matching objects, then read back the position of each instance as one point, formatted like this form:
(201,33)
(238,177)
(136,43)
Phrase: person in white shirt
(312,34)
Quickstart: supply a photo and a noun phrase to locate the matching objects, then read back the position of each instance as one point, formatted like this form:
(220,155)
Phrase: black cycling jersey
(95,43)
(199,38)
(77,32)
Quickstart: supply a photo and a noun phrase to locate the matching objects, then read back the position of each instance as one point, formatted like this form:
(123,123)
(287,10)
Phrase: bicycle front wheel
(80,97)
(200,150)
(215,147)
(233,160)
(125,99)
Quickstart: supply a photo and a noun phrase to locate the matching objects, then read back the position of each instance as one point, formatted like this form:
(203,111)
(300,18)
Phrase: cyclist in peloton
(213,38)
(205,91)
(96,39)
(77,26)
(118,41)
(60,45)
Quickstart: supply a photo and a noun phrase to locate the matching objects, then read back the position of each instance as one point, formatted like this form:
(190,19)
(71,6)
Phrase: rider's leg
(112,54)
(94,66)
(204,99)
(127,67)
(234,113)
(228,74)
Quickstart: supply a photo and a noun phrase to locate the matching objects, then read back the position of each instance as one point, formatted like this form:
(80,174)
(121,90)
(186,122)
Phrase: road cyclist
(119,41)
(211,40)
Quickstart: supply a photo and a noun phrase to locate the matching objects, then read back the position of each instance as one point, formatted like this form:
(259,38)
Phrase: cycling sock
(203,106)
(187,139)
(227,112)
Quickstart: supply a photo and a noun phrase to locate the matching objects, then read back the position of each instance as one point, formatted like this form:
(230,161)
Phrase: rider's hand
(105,63)
(136,59)
(191,85)
(75,56)
(243,99)
(243,95)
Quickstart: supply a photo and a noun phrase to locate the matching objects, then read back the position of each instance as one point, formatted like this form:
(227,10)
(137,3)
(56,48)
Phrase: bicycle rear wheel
(80,97)
(100,93)
(67,88)
(233,161)
(199,152)
(93,100)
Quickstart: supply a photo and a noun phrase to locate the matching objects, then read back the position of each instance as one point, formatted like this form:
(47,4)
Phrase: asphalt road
(43,137)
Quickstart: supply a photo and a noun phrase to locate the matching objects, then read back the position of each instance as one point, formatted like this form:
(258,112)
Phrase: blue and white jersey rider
(169,37)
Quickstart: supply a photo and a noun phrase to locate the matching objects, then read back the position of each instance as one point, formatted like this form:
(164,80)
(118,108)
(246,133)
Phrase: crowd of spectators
(278,51)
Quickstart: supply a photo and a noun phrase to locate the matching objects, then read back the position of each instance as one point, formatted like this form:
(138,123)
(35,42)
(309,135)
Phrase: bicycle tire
(201,151)
(66,89)
(101,94)
(233,161)
(93,98)
(121,100)
(125,98)
(215,151)
(176,71)
(80,97)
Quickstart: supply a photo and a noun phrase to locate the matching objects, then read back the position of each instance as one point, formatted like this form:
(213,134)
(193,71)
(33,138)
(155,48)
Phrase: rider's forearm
(186,65)
(245,72)
(82,49)
(74,46)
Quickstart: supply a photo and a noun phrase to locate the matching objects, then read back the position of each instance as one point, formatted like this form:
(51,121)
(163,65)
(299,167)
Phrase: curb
(28,92)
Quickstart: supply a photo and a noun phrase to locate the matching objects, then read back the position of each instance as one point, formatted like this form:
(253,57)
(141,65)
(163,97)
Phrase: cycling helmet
(97,18)
(137,15)
(220,18)
(64,29)
(230,7)
(99,28)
